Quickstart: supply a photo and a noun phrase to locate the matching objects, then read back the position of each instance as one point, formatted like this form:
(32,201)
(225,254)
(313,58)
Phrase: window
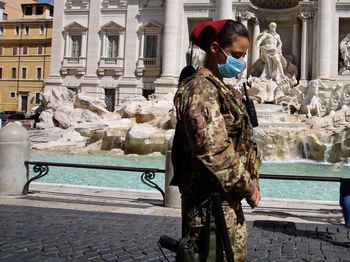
(17,30)
(75,37)
(37,98)
(113,45)
(39,10)
(12,94)
(40,50)
(42,29)
(26,30)
(24,72)
(150,48)
(28,10)
(76,45)
(149,57)
(51,11)
(39,72)
(25,50)
(14,72)
(1,50)
(15,50)
(0,72)
(1,30)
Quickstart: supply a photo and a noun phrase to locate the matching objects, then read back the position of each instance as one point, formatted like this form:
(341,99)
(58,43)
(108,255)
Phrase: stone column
(255,49)
(304,43)
(90,83)
(244,17)
(104,45)
(326,21)
(57,47)
(224,9)
(303,57)
(84,46)
(168,80)
(141,50)
(66,44)
(296,42)
(128,84)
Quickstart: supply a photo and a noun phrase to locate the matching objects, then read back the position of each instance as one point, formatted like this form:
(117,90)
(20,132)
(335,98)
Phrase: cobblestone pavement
(30,233)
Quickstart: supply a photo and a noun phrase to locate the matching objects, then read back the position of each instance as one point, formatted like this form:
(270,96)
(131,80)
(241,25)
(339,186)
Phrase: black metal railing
(297,177)
(148,174)
(41,169)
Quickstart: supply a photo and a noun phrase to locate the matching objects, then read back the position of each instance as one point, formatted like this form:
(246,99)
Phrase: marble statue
(261,91)
(345,54)
(272,76)
(323,101)
(270,45)
(345,98)
(334,103)
(332,111)
(312,101)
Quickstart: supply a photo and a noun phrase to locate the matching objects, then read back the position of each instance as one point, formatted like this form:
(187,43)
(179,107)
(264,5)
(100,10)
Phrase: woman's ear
(214,48)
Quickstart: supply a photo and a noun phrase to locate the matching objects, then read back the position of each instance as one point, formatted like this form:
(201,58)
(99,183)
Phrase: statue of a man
(270,45)
(345,51)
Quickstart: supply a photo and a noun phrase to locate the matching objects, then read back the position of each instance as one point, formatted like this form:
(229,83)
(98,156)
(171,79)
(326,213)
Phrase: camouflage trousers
(198,222)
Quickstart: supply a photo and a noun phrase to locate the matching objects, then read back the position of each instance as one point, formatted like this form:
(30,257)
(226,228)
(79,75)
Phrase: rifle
(185,248)
(221,225)
(249,104)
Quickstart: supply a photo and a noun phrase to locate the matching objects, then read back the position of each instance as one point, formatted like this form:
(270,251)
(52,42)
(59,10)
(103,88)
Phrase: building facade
(13,8)
(109,49)
(25,56)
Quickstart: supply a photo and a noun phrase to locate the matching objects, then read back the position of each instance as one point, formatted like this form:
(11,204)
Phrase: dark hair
(230,32)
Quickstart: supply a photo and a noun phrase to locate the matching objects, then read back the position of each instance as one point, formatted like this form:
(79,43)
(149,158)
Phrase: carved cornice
(148,3)
(306,15)
(199,8)
(113,3)
(245,15)
(296,19)
(343,6)
(84,4)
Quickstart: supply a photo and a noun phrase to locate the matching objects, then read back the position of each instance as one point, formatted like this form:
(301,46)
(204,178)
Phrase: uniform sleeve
(208,139)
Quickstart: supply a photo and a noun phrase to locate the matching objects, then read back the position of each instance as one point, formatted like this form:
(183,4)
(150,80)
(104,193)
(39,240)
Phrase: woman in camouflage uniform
(213,149)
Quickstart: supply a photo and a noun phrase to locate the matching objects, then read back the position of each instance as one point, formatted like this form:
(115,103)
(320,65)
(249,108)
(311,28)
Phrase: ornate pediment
(151,27)
(275,4)
(74,26)
(112,27)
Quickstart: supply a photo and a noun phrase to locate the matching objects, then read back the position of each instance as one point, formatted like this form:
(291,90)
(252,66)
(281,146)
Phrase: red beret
(205,33)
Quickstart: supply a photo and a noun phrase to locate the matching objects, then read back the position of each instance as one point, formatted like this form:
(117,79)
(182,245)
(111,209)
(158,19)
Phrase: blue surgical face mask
(232,68)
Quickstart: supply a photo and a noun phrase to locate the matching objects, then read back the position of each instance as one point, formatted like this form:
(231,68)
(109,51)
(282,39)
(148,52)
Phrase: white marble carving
(345,55)
(270,45)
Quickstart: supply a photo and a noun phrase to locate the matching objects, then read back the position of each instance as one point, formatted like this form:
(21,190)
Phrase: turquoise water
(277,189)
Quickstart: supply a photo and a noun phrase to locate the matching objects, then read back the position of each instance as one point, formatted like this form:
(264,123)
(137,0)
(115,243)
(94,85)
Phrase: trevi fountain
(296,121)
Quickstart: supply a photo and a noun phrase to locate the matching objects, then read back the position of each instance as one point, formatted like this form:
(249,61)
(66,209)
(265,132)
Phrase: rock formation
(137,126)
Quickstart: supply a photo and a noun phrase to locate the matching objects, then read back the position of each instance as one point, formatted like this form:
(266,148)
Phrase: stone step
(282,125)
(269,108)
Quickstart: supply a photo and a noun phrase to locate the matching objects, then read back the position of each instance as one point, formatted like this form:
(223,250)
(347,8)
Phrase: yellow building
(13,8)
(25,54)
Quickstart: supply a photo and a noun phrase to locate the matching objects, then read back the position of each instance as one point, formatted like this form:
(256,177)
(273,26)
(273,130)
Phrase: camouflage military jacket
(213,146)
